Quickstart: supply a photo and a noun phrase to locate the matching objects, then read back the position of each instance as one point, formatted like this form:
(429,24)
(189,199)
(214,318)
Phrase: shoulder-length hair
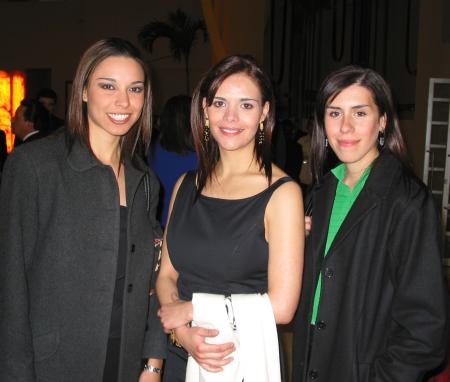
(208,152)
(335,83)
(78,126)
(175,126)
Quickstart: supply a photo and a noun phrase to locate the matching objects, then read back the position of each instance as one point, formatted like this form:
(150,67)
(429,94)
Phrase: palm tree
(181,32)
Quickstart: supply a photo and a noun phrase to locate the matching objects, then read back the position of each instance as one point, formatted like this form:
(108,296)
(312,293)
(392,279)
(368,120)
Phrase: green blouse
(343,202)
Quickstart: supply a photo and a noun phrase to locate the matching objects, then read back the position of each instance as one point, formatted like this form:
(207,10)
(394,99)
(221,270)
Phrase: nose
(231,114)
(122,98)
(347,123)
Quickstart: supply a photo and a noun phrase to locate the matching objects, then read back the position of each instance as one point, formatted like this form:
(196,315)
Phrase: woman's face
(235,113)
(352,123)
(114,97)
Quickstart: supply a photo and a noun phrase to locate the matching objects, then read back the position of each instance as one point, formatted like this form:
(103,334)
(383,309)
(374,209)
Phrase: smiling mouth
(119,118)
(230,131)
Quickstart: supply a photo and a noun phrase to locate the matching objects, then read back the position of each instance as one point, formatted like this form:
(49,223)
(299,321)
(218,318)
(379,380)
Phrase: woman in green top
(373,305)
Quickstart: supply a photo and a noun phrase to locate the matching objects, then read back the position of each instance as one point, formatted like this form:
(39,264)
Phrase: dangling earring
(206,131)
(261,133)
(381,138)
(326,142)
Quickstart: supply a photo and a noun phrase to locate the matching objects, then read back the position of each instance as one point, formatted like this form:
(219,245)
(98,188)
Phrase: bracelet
(152,369)
(173,339)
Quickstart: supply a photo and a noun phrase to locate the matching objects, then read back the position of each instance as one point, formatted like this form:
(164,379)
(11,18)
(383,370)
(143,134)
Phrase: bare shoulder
(287,189)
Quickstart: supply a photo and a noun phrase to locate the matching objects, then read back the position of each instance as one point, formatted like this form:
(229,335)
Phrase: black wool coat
(59,242)
(382,313)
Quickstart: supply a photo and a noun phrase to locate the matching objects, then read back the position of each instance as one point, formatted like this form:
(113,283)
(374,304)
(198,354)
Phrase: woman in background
(173,152)
(373,304)
(232,242)
(76,232)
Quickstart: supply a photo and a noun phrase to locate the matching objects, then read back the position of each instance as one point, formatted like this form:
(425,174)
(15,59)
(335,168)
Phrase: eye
(334,114)
(247,106)
(218,103)
(361,113)
(107,86)
(137,89)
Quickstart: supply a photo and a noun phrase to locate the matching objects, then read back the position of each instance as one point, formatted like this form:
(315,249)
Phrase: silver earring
(326,142)
(381,138)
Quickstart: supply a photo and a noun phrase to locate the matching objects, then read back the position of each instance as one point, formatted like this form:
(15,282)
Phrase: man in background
(30,121)
(48,98)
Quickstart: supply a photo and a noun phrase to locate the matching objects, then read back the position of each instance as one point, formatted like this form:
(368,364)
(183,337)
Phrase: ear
(265,111)
(382,122)
(85,98)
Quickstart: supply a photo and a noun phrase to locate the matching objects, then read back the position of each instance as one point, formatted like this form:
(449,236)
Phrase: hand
(211,357)
(175,314)
(147,376)
(308,225)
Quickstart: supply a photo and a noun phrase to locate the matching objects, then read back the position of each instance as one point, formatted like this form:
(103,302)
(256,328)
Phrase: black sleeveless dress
(217,246)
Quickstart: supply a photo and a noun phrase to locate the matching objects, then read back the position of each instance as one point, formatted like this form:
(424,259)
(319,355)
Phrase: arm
(417,338)
(175,314)
(284,222)
(155,341)
(18,236)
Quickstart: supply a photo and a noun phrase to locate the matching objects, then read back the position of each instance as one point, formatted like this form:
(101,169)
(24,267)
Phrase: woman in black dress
(235,223)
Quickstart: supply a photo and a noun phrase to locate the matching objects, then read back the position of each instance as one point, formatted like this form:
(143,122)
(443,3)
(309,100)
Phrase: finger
(206,332)
(215,363)
(210,368)
(219,350)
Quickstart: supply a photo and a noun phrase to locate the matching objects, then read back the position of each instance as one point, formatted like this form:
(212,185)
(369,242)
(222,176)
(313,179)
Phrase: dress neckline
(284,178)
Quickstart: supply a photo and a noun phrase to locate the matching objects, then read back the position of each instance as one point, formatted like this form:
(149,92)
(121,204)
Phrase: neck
(106,149)
(235,162)
(353,171)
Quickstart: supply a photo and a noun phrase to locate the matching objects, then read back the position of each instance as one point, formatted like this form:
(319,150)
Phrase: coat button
(130,288)
(329,273)
(313,374)
(133,247)
(321,325)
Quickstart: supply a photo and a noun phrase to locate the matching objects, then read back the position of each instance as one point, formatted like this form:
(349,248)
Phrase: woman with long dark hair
(233,255)
(373,305)
(77,229)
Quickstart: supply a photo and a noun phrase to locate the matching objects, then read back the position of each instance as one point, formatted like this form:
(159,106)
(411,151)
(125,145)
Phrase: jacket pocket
(45,345)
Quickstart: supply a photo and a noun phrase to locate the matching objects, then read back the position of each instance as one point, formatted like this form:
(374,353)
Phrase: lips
(119,118)
(348,142)
(230,131)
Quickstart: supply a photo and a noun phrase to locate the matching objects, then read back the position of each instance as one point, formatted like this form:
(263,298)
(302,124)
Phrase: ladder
(436,169)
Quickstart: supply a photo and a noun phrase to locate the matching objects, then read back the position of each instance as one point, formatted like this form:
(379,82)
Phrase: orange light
(12,92)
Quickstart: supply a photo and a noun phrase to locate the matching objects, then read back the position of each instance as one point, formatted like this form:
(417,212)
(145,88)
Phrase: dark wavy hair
(175,126)
(208,152)
(77,126)
(335,83)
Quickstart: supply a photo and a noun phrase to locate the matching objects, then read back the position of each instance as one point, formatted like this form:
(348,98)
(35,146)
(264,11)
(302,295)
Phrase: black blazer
(382,314)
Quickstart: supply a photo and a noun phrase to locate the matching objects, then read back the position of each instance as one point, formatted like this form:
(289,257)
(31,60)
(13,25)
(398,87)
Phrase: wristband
(152,369)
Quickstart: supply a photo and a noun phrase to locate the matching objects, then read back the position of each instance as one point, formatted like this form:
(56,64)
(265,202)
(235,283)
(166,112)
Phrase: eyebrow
(353,107)
(114,80)
(242,99)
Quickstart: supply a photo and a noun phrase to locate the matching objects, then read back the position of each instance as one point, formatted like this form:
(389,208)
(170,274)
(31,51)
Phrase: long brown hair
(381,93)
(208,152)
(77,126)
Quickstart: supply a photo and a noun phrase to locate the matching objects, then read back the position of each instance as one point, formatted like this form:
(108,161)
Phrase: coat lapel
(377,185)
(322,204)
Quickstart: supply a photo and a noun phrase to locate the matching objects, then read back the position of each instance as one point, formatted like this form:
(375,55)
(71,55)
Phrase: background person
(373,305)
(76,233)
(173,152)
(30,121)
(48,98)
